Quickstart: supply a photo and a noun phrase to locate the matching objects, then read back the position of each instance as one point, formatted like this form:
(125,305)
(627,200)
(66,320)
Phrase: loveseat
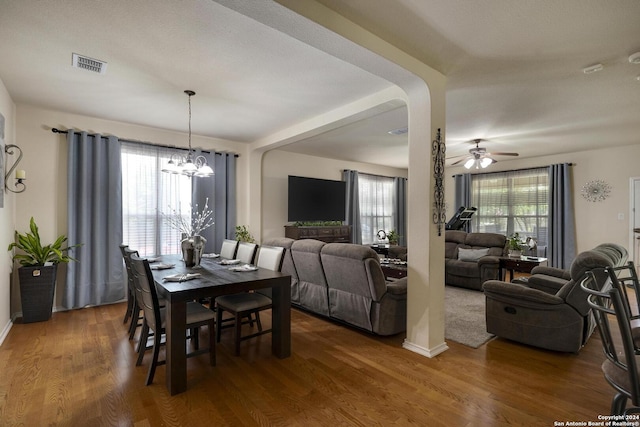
(560,320)
(344,282)
(472,258)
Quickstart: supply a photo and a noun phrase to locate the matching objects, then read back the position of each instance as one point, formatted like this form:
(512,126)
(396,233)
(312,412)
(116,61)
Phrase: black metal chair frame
(609,300)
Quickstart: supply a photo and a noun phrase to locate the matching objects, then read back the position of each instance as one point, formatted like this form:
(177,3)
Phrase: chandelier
(188,165)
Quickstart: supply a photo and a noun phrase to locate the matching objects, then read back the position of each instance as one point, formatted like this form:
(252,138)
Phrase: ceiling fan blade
(505,154)
(459,161)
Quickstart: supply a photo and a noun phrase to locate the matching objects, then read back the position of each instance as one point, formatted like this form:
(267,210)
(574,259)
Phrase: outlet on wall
(620,216)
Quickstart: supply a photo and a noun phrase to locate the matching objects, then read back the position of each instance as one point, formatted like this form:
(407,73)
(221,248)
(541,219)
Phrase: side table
(524,264)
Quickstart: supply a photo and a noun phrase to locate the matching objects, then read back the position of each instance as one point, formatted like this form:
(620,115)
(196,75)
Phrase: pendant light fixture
(189,165)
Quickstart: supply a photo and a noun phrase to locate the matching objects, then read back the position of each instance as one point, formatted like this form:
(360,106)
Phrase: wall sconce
(20,174)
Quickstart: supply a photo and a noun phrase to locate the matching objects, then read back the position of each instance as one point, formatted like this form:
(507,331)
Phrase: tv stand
(325,233)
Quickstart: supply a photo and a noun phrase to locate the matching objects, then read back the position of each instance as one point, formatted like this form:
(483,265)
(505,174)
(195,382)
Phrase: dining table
(213,280)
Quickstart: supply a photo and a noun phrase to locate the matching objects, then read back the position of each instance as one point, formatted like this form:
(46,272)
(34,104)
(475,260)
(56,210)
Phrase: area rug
(464,318)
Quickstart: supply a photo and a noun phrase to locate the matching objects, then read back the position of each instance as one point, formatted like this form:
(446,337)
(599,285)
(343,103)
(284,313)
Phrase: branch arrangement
(198,222)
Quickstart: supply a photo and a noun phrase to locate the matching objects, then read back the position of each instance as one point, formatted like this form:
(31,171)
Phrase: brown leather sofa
(472,258)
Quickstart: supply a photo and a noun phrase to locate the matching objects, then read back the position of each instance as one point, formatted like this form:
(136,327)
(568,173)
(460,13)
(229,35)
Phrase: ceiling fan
(479,157)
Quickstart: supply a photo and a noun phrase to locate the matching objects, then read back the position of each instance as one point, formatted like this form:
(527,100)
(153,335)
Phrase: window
(510,202)
(376,197)
(147,193)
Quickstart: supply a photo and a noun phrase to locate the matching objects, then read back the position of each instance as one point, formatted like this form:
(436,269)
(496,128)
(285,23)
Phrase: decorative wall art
(439,212)
(596,190)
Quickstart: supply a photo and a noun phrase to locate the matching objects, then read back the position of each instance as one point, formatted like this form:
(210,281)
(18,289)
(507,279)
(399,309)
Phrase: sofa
(472,258)
(559,321)
(344,282)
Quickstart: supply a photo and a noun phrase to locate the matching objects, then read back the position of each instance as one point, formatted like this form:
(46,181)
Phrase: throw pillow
(471,254)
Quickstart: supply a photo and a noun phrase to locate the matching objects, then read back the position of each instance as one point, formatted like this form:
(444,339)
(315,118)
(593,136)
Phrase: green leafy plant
(243,234)
(35,254)
(393,237)
(316,223)
(514,242)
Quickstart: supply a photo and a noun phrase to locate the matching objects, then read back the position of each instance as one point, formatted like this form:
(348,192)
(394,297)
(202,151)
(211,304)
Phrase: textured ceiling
(513,68)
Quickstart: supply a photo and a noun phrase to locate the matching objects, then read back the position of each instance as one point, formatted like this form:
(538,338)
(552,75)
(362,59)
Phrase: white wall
(595,222)
(45,162)
(278,165)
(7,214)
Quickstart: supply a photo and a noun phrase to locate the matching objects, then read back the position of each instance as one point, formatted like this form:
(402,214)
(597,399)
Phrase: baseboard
(428,352)
(5,331)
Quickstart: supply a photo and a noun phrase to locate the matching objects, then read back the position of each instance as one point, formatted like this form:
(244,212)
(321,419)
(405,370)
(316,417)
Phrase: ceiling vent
(90,64)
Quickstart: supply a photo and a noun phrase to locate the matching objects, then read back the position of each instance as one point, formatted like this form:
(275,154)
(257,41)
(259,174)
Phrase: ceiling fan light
(486,162)
(469,163)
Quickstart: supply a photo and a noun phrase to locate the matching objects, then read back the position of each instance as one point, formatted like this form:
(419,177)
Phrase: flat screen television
(313,199)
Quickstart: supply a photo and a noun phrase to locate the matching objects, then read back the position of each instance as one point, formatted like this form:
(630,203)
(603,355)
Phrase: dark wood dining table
(216,280)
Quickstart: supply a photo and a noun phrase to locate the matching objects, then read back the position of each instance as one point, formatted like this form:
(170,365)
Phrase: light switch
(620,216)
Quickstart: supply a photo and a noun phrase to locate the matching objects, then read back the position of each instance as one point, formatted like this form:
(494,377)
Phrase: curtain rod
(516,170)
(54,130)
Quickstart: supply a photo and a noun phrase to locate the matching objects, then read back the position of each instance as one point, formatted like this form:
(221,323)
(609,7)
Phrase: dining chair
(228,248)
(136,318)
(131,302)
(247,303)
(246,252)
(197,316)
(620,367)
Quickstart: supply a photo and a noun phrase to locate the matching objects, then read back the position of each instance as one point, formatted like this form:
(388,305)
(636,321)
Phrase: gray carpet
(464,318)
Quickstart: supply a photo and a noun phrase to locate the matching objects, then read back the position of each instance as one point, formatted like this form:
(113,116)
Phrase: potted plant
(514,245)
(37,273)
(243,234)
(393,237)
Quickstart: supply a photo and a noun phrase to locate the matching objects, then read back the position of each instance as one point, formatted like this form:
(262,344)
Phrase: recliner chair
(551,279)
(560,321)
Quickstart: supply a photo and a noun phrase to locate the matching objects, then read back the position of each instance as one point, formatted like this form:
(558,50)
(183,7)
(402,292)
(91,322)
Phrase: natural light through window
(376,195)
(147,193)
(512,202)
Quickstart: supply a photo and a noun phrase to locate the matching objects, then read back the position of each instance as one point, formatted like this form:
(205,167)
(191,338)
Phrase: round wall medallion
(596,191)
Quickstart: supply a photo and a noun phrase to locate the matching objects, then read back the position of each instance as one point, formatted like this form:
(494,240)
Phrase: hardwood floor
(78,369)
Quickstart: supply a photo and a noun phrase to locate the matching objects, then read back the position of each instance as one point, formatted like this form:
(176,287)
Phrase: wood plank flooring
(78,369)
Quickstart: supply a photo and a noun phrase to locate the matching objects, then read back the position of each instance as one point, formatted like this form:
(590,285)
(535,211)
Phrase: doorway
(634,220)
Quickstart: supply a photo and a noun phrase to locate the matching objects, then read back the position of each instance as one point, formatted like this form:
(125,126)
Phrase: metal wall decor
(19,185)
(596,190)
(439,212)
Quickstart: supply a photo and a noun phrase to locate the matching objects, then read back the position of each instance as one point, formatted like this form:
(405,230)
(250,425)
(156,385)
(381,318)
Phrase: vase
(192,250)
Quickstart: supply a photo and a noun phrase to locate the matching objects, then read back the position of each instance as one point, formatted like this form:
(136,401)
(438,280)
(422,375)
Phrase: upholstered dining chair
(136,318)
(247,303)
(228,248)
(246,252)
(131,302)
(197,316)
(620,367)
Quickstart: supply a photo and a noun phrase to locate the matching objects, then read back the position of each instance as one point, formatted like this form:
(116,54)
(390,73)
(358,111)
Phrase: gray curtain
(224,167)
(353,204)
(400,207)
(94,219)
(463,196)
(562,234)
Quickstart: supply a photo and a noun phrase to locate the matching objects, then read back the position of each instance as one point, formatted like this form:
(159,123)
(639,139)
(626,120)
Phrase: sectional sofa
(344,282)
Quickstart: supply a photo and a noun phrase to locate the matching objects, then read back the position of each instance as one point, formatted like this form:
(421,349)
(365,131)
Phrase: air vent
(400,131)
(90,64)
